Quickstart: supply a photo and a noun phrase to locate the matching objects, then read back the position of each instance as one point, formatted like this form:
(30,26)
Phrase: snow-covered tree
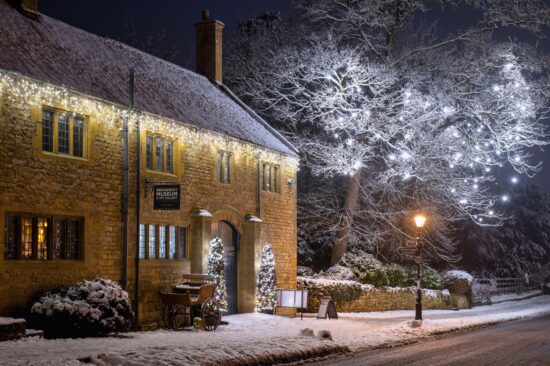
(216,269)
(267,280)
(417,117)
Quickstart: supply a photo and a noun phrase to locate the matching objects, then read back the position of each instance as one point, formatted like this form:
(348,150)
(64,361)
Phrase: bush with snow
(304,271)
(366,268)
(431,278)
(458,282)
(88,308)
(339,273)
(398,276)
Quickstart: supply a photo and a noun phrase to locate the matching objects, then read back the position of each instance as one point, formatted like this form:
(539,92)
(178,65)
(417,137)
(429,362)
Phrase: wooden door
(229,237)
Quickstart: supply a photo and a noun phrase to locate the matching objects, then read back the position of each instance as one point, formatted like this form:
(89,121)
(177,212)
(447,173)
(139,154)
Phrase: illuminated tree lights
(216,269)
(267,281)
(15,88)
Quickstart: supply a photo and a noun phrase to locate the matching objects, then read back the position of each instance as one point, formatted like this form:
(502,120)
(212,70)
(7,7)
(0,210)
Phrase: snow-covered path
(250,337)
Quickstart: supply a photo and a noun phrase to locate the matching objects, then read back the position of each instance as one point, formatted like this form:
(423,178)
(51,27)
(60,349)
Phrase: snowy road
(522,342)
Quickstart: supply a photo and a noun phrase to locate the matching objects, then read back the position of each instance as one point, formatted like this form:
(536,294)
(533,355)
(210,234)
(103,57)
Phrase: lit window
(42,237)
(162,242)
(152,242)
(172,246)
(224,167)
(142,241)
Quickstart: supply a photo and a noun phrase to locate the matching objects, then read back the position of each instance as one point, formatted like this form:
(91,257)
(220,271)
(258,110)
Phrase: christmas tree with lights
(267,296)
(216,269)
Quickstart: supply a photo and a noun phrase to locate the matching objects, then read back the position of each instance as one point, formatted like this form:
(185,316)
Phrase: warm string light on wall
(15,87)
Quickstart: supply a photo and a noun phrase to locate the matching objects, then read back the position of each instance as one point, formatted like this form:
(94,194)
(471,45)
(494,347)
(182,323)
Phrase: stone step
(11,328)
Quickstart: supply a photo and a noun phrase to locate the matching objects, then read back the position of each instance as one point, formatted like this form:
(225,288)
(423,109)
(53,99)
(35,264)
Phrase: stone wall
(35,182)
(351,296)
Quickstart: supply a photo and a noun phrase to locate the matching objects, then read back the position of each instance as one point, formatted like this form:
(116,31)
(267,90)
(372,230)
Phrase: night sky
(176,18)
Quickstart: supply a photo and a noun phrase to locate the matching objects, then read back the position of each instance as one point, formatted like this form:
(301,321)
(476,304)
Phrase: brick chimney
(209,47)
(27,7)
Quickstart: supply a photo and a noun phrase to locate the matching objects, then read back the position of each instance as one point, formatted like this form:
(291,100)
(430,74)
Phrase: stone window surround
(178,254)
(166,141)
(274,185)
(219,170)
(55,132)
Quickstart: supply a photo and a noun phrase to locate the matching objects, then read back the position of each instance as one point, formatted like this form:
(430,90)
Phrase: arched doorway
(230,240)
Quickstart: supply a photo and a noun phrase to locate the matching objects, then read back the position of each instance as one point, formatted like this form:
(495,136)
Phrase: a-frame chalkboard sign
(327,308)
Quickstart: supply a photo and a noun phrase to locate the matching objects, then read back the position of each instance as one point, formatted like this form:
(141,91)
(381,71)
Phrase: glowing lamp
(419,220)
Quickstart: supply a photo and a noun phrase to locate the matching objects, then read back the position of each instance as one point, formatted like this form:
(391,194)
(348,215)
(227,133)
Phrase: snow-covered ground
(252,337)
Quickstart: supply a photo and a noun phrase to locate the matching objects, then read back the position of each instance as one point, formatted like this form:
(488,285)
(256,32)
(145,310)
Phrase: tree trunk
(350,206)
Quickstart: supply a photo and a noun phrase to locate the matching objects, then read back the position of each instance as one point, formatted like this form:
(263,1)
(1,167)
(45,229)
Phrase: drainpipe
(138,213)
(125,184)
(259,193)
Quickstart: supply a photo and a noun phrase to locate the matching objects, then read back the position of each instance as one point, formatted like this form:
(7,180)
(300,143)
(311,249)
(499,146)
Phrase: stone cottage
(115,163)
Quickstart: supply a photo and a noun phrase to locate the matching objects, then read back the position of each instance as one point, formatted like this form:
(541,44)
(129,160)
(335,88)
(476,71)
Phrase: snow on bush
(366,268)
(304,271)
(339,273)
(431,279)
(88,308)
(457,275)
(398,276)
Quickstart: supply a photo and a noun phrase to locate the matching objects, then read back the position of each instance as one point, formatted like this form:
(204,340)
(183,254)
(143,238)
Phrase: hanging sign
(327,308)
(167,197)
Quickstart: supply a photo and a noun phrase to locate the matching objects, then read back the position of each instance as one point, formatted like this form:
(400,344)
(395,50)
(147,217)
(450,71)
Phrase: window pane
(149,152)
(58,249)
(268,178)
(220,166)
(78,137)
(152,241)
(275,178)
(42,238)
(73,239)
(141,241)
(47,131)
(26,238)
(264,176)
(10,237)
(160,154)
(63,133)
(227,168)
(172,253)
(162,242)
(182,243)
(170,156)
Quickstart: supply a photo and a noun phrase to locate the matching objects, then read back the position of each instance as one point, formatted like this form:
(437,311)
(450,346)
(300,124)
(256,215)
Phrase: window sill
(53,155)
(163,174)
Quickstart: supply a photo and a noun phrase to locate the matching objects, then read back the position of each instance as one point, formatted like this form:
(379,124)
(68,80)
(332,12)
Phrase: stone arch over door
(248,255)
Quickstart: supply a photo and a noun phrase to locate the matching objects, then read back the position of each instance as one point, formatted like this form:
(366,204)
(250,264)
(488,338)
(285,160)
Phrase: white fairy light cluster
(15,88)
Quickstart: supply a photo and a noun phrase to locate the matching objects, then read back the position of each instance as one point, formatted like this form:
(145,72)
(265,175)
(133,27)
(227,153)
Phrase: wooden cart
(178,307)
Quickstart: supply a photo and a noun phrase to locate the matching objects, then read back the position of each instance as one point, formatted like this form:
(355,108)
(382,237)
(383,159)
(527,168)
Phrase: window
(142,241)
(152,242)
(270,177)
(47,131)
(172,246)
(162,242)
(63,132)
(159,154)
(182,244)
(78,137)
(170,157)
(224,167)
(149,153)
(170,243)
(42,237)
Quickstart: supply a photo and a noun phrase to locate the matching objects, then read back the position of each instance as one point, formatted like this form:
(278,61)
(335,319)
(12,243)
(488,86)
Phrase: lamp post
(419,220)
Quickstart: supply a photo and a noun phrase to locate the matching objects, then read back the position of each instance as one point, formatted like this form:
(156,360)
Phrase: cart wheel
(167,316)
(210,314)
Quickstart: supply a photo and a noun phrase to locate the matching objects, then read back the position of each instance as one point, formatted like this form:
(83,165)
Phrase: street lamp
(419,220)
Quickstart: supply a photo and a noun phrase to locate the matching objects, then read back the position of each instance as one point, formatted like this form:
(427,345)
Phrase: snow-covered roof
(55,52)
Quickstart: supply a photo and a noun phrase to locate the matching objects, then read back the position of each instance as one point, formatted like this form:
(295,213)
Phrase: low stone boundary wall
(351,296)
